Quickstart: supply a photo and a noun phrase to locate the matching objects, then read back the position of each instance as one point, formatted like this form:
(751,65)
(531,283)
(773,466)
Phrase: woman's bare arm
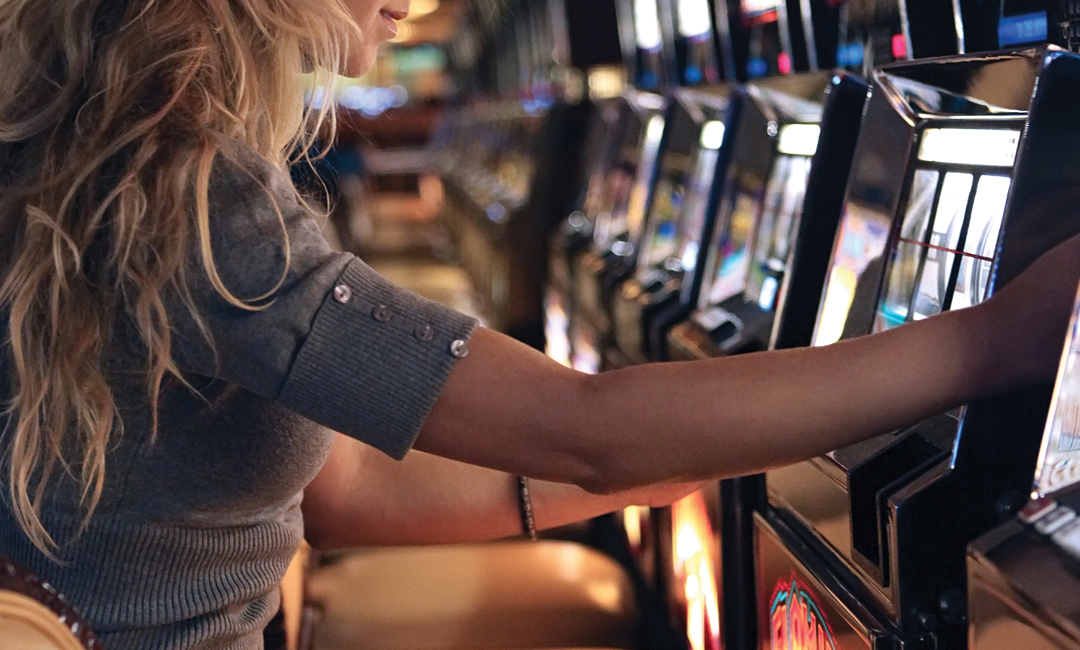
(362,497)
(508,407)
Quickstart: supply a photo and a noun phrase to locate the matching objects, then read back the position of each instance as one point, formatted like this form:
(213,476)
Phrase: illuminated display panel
(776,229)
(945,250)
(695,19)
(1059,458)
(669,199)
(731,256)
(861,240)
(697,204)
(647,25)
(628,188)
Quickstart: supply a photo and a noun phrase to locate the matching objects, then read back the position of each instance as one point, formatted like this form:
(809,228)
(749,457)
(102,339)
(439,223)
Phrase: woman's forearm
(512,409)
(362,497)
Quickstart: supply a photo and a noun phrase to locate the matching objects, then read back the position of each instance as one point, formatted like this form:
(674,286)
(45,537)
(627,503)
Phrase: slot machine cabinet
(694,157)
(609,119)
(1024,577)
(765,205)
(616,229)
(982,143)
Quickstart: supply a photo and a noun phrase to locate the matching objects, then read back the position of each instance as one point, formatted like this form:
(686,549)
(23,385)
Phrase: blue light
(694,75)
(850,56)
(1025,28)
(757,68)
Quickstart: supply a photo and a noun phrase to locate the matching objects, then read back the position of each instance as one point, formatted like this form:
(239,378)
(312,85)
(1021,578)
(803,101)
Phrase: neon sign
(795,620)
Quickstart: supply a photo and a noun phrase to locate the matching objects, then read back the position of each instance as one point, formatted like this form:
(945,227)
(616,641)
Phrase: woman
(177,327)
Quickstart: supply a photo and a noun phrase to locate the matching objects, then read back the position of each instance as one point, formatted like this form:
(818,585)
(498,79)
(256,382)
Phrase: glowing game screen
(1059,458)
(948,236)
(697,204)
(627,186)
(776,229)
(861,240)
(731,254)
(669,199)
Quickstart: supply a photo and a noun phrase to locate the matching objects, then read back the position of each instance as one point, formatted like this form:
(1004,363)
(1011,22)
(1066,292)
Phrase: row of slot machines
(510,155)
(801,209)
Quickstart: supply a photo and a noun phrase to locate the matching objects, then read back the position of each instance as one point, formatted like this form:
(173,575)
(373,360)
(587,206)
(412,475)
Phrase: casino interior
(618,182)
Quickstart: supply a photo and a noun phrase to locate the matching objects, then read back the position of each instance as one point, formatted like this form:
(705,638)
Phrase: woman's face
(378,22)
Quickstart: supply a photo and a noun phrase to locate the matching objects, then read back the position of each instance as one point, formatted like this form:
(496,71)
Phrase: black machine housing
(889,518)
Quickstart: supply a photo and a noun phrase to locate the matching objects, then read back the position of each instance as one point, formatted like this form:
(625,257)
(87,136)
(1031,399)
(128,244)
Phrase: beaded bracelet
(525,509)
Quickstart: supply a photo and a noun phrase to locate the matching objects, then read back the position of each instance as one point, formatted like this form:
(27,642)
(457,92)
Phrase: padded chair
(34,616)
(499,596)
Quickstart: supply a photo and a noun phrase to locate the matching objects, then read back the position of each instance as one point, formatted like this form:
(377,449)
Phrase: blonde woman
(182,344)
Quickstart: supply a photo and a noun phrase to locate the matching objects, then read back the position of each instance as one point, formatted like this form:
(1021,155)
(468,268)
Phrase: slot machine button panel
(1036,510)
(1055,521)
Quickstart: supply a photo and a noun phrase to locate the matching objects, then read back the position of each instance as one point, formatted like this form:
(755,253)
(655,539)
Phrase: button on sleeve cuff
(375,360)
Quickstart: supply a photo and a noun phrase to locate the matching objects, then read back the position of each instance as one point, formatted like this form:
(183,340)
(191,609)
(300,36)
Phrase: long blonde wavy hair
(113,113)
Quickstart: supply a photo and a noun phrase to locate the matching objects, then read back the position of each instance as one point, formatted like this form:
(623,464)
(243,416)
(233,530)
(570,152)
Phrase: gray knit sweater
(196,528)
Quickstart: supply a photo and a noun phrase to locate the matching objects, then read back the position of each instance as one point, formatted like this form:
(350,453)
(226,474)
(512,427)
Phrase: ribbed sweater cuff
(375,360)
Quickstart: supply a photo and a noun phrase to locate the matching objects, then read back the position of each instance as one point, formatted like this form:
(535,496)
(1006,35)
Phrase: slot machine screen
(731,253)
(682,197)
(629,186)
(782,212)
(697,202)
(861,239)
(669,199)
(1059,458)
(945,249)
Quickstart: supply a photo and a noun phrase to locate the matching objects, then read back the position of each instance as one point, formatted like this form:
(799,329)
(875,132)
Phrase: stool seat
(34,616)
(500,596)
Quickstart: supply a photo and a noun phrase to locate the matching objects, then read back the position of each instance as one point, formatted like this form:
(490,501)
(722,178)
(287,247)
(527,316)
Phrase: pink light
(783,63)
(899,47)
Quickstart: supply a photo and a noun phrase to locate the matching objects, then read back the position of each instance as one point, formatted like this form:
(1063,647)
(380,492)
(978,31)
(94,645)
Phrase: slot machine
(945,203)
(610,119)
(695,154)
(616,228)
(1024,577)
(763,209)
(679,217)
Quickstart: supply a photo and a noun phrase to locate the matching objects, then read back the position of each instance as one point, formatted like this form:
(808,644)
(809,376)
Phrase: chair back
(35,616)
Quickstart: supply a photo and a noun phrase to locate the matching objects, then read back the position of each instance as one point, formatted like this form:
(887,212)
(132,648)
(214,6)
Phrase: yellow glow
(712,135)
(694,566)
(632,524)
(421,8)
(988,147)
(799,139)
(606,82)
